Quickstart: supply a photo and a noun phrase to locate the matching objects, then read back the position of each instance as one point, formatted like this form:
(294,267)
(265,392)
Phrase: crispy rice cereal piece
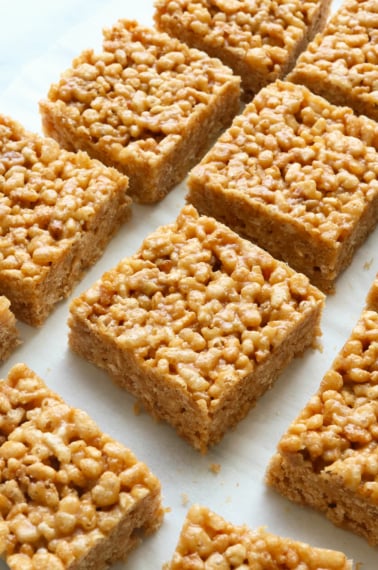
(71,497)
(372,296)
(196,325)
(147,104)
(208,542)
(9,337)
(259,40)
(328,458)
(58,210)
(342,63)
(297,176)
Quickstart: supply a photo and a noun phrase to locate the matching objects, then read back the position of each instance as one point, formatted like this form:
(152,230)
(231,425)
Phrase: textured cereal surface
(342,62)
(132,103)
(306,160)
(64,484)
(208,542)
(263,35)
(295,165)
(199,305)
(338,430)
(49,199)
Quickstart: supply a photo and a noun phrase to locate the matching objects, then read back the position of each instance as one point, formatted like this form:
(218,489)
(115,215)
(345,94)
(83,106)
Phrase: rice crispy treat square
(208,542)
(341,64)
(147,104)
(196,325)
(9,337)
(327,459)
(372,296)
(71,497)
(259,40)
(297,176)
(58,210)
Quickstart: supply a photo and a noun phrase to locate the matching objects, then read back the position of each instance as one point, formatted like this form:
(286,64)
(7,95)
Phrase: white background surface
(38,40)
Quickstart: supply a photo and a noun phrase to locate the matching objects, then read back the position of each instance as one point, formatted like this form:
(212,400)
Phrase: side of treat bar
(208,542)
(260,41)
(59,211)
(197,325)
(71,497)
(327,459)
(297,176)
(163,106)
(341,63)
(9,335)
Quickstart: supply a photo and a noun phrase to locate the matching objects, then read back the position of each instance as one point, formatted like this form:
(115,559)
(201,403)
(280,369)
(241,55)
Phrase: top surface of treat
(199,305)
(311,162)
(262,32)
(338,429)
(64,484)
(142,90)
(47,197)
(209,542)
(347,49)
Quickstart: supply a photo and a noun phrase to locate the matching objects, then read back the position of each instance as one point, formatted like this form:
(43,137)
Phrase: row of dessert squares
(73,497)
(196,325)
(70,494)
(294,173)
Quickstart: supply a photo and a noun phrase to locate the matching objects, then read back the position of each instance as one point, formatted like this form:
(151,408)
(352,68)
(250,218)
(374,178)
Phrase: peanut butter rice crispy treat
(372,297)
(147,104)
(208,542)
(196,325)
(328,458)
(58,210)
(297,176)
(71,497)
(9,337)
(259,40)
(342,62)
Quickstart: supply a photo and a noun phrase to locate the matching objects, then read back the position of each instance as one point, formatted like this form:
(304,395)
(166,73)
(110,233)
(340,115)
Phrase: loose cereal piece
(147,104)
(372,297)
(259,40)
(196,325)
(297,176)
(9,337)
(208,542)
(71,497)
(328,458)
(58,210)
(341,64)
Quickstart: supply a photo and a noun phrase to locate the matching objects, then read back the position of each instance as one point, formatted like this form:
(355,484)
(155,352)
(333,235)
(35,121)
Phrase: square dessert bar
(297,176)
(147,104)
(9,337)
(71,497)
(196,325)
(372,296)
(58,210)
(327,459)
(259,40)
(208,542)
(341,64)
